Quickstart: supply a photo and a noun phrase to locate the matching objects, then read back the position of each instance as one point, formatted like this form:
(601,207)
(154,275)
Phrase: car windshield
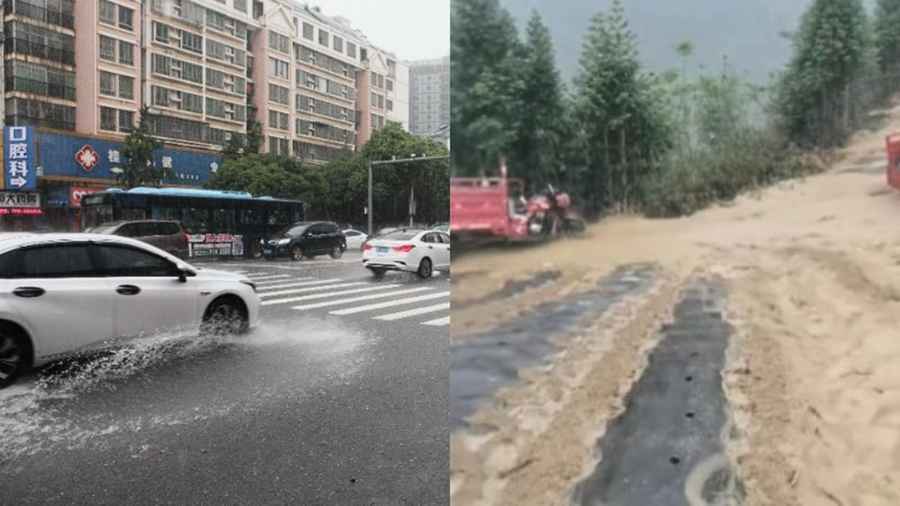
(400,235)
(293,230)
(106,228)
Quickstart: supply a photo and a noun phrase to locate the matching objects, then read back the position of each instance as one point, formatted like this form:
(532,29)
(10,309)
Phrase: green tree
(138,167)
(253,142)
(830,51)
(535,154)
(620,109)
(486,82)
(887,34)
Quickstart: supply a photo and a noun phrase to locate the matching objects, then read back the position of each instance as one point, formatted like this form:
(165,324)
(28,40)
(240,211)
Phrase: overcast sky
(412,29)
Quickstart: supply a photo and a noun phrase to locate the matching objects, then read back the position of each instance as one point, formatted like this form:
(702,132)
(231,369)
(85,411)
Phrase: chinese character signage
(18,158)
(19,200)
(205,245)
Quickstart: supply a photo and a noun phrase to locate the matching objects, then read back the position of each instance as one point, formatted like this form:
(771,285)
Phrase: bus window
(166,213)
(251,216)
(223,221)
(96,215)
(279,216)
(196,220)
(132,213)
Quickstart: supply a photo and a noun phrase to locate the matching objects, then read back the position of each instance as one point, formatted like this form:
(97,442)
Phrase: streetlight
(394,160)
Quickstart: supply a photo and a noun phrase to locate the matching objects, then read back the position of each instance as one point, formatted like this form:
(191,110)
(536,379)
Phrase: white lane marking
(413,312)
(390,303)
(261,287)
(440,322)
(313,288)
(359,299)
(325,295)
(266,276)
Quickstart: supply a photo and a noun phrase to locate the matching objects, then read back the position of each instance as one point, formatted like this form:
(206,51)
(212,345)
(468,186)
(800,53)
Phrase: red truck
(893,160)
(495,208)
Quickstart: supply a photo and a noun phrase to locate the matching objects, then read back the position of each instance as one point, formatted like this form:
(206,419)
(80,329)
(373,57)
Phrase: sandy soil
(813,272)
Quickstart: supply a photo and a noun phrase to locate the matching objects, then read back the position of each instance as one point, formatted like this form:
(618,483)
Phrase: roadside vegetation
(622,138)
(338,190)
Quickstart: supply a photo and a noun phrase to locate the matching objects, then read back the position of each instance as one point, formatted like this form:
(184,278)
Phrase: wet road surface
(340,397)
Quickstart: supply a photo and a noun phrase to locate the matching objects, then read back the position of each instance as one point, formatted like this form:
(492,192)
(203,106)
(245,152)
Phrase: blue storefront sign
(18,158)
(72,155)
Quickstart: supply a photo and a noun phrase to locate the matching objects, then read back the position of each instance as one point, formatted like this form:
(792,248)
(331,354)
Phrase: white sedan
(62,293)
(355,238)
(411,250)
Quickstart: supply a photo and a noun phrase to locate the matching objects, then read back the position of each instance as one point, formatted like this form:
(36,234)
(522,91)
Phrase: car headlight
(251,284)
(283,242)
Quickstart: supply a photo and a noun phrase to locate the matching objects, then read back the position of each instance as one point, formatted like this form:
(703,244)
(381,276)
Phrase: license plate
(381,250)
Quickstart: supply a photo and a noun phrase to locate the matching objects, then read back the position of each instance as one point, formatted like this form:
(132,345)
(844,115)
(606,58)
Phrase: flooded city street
(310,407)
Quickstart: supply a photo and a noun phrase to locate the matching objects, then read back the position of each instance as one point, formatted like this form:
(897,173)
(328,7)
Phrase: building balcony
(33,86)
(33,11)
(39,50)
(42,122)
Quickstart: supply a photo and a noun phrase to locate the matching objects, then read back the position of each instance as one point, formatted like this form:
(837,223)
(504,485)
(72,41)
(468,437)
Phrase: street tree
(619,108)
(138,168)
(486,84)
(535,154)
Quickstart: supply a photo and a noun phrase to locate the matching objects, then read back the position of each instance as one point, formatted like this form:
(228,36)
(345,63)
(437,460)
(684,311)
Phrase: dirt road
(811,378)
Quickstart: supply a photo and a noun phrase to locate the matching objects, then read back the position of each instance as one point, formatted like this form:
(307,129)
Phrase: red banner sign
(20,211)
(76,193)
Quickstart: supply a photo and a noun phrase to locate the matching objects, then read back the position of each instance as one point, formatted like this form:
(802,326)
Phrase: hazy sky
(412,29)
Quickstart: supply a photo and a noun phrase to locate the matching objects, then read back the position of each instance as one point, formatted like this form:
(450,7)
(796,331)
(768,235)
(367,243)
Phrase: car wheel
(297,253)
(225,317)
(425,269)
(378,273)
(336,252)
(13,357)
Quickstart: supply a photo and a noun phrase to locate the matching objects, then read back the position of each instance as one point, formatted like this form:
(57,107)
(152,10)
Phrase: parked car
(306,240)
(355,238)
(411,250)
(169,236)
(63,293)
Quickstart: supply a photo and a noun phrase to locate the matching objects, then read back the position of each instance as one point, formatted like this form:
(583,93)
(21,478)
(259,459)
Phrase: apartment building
(39,63)
(384,93)
(430,97)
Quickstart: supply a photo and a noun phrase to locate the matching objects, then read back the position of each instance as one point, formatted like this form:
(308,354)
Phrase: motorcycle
(551,214)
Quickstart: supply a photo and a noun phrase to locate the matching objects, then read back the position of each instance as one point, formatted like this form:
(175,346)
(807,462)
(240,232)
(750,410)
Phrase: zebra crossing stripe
(256,277)
(359,299)
(312,289)
(440,322)
(390,303)
(292,284)
(414,312)
(325,295)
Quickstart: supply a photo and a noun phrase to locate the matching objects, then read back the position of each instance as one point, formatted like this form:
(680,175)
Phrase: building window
(225,110)
(126,18)
(363,54)
(107,48)
(324,131)
(109,118)
(39,80)
(107,84)
(278,146)
(279,68)
(390,105)
(389,84)
(279,42)
(351,50)
(191,42)
(323,37)
(126,121)
(338,44)
(107,12)
(374,99)
(161,32)
(381,101)
(40,113)
(279,94)
(178,128)
(308,31)
(126,53)
(126,87)
(240,5)
(176,99)
(33,40)
(278,120)
(178,69)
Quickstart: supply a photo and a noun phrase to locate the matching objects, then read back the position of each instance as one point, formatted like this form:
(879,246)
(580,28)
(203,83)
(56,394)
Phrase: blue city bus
(219,223)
